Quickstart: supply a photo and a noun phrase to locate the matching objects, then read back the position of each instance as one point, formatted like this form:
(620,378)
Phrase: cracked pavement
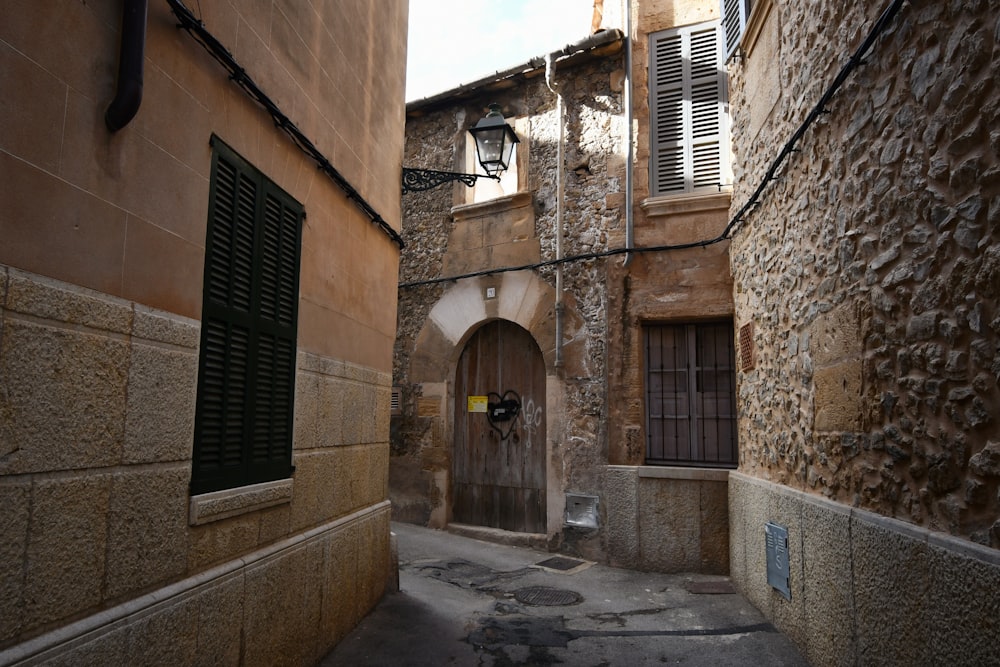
(460,604)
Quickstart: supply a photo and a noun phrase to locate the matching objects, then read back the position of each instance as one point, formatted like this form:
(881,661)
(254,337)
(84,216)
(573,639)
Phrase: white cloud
(452,42)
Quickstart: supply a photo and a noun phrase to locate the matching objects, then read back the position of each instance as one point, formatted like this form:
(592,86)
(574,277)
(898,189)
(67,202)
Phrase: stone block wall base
(865,589)
(664,519)
(288,603)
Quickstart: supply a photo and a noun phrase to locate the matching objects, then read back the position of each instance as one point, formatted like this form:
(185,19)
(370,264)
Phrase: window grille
(690,395)
(396,401)
(748,354)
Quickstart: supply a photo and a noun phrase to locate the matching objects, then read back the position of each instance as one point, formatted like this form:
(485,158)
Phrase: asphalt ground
(463,602)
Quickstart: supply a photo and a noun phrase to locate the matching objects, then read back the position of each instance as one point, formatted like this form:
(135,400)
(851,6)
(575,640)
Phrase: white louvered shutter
(734,22)
(688,108)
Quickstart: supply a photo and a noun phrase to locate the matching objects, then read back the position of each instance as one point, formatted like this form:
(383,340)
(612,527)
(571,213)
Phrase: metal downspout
(550,71)
(131,54)
(629,118)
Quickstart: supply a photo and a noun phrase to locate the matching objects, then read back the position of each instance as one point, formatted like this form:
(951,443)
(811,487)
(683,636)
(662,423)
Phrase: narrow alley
(467,602)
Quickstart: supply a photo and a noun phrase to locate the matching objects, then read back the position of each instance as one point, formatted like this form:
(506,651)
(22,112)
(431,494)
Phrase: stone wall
(436,139)
(97,398)
(661,518)
(869,273)
(871,268)
(865,588)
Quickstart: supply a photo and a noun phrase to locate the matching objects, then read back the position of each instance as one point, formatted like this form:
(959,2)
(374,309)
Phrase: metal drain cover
(560,563)
(544,596)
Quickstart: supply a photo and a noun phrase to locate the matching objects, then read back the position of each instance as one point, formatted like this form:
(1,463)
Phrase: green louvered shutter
(246,377)
(271,449)
(688,110)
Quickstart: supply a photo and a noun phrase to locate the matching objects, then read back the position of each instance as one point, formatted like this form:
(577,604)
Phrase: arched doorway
(498,463)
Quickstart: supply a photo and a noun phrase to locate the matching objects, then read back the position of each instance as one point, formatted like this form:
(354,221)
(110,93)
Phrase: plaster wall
(667,521)
(106,556)
(122,210)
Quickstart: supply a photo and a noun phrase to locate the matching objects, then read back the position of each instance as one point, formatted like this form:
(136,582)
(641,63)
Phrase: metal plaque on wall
(776,541)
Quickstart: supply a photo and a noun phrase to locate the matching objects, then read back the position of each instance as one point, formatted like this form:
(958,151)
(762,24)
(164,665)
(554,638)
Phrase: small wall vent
(396,401)
(748,356)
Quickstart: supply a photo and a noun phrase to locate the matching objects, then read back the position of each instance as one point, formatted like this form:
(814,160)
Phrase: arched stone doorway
(499,456)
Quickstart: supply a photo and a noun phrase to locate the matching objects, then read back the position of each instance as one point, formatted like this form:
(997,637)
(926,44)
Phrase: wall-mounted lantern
(495,141)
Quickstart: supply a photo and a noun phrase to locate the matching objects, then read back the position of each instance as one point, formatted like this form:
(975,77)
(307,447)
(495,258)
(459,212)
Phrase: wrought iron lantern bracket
(418,180)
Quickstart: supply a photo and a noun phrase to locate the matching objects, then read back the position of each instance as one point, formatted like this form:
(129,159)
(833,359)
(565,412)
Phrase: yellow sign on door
(477,404)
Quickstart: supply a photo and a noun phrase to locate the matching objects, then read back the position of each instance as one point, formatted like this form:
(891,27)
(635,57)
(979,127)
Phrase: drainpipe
(629,167)
(550,72)
(128,94)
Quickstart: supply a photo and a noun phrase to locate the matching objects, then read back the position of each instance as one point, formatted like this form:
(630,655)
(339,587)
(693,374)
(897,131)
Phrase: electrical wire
(194,27)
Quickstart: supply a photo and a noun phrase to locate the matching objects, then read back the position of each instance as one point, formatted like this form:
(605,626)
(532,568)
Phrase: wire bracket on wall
(418,180)
(195,28)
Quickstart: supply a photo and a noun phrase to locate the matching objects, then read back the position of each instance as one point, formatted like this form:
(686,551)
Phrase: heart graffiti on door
(502,411)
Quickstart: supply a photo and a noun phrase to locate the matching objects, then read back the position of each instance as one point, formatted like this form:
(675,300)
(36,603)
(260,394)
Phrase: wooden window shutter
(688,107)
(246,377)
(734,22)
(271,451)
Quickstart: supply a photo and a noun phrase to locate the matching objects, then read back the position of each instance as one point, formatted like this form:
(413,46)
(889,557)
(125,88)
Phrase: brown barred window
(690,395)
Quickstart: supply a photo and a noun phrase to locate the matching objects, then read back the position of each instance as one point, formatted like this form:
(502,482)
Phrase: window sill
(218,505)
(498,205)
(686,204)
(695,474)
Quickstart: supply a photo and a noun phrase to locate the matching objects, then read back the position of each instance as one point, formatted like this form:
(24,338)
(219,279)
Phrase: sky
(453,42)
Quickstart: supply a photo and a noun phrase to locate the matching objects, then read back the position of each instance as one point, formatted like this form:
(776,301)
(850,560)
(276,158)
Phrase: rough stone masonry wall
(871,271)
(435,141)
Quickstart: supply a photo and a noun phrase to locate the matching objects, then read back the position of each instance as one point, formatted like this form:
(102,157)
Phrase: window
(734,20)
(688,109)
(690,395)
(246,372)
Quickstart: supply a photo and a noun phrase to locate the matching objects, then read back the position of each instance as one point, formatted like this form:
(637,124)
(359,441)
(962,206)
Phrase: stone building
(585,307)
(198,258)
(866,281)
(454,230)
(753,250)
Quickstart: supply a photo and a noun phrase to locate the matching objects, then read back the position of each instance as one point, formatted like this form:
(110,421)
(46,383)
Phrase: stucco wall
(105,553)
(122,210)
(870,274)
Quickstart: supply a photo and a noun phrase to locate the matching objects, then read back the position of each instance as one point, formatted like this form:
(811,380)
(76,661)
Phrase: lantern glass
(495,141)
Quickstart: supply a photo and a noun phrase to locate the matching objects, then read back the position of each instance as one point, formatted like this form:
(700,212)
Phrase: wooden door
(498,472)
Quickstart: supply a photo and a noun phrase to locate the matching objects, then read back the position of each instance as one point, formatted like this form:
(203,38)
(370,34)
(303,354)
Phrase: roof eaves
(594,45)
